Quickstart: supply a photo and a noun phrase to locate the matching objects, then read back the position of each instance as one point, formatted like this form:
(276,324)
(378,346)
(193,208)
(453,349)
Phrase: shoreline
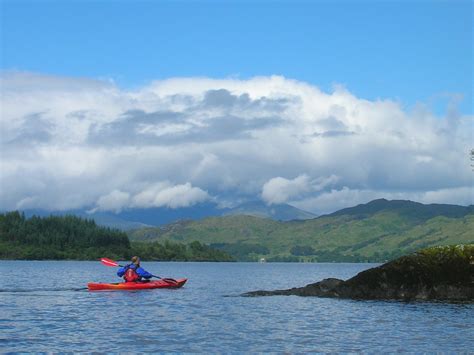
(200,262)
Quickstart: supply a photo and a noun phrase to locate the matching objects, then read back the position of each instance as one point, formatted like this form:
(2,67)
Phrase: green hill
(377,231)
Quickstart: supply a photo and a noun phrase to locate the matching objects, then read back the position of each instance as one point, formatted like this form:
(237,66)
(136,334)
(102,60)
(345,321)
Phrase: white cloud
(72,143)
(280,190)
(164,195)
(161,194)
(114,201)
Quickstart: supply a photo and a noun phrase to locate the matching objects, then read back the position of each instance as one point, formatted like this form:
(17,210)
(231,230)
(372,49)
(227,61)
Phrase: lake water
(43,307)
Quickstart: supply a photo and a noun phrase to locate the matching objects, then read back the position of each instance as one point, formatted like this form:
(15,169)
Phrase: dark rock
(317,289)
(440,273)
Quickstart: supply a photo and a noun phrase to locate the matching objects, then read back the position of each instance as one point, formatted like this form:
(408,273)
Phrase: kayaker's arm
(122,271)
(143,273)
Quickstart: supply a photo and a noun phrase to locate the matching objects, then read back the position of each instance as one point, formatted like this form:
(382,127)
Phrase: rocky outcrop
(440,273)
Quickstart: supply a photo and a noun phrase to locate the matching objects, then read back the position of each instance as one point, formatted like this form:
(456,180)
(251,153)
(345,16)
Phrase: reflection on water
(45,306)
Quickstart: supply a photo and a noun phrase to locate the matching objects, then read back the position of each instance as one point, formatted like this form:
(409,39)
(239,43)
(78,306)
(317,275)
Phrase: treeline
(299,253)
(58,237)
(172,251)
(309,254)
(242,251)
(71,237)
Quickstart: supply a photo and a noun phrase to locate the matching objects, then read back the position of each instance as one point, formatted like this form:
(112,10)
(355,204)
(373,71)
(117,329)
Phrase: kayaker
(133,272)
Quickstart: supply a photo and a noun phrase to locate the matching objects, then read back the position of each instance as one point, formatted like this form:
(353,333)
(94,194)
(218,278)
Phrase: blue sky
(114,105)
(409,51)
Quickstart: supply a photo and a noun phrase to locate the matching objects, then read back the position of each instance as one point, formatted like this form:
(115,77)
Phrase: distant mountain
(376,231)
(164,215)
(281,212)
(145,217)
(407,208)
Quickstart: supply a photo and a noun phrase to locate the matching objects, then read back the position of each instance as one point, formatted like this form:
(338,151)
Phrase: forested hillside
(70,237)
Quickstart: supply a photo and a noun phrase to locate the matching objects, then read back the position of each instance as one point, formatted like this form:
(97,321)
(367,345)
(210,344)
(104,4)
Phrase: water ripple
(58,315)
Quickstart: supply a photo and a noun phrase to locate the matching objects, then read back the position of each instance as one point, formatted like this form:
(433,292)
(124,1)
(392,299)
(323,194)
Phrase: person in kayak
(133,272)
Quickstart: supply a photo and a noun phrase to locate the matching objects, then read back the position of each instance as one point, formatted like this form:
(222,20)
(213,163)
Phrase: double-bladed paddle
(110,262)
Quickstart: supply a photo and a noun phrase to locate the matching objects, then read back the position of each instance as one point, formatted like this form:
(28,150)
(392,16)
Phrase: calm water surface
(43,308)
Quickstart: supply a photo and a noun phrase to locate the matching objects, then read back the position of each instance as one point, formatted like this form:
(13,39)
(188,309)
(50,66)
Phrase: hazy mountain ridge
(280,212)
(138,218)
(377,231)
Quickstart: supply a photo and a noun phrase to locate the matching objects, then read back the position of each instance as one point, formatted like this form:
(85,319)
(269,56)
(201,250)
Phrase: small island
(444,273)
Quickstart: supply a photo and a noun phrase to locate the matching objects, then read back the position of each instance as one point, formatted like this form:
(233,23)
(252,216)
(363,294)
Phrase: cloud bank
(82,143)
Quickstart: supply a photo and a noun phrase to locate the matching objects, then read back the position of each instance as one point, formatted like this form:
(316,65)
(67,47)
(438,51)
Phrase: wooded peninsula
(74,238)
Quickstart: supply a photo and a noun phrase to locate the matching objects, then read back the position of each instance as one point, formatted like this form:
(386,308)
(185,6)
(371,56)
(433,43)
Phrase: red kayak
(162,283)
